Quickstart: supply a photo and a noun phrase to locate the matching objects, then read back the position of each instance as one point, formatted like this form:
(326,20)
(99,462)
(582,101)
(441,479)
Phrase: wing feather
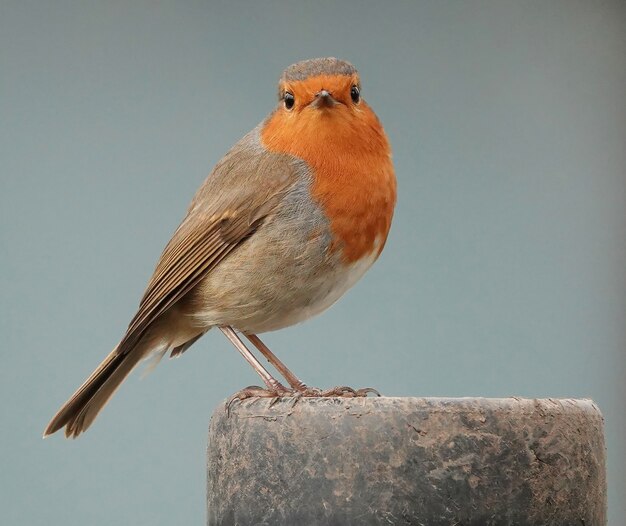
(212,229)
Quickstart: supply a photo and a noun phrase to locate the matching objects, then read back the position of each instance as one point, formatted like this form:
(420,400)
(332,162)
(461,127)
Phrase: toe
(366,390)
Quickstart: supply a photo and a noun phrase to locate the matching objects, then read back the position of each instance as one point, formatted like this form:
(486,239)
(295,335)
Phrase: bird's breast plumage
(353,179)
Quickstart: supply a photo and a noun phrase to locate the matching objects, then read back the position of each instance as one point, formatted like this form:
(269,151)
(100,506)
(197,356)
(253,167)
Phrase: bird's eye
(355,94)
(289,100)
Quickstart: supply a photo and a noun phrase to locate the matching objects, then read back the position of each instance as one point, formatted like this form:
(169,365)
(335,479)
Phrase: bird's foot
(342,391)
(254,391)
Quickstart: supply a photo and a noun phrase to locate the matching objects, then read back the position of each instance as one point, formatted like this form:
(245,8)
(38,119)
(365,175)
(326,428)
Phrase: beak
(323,99)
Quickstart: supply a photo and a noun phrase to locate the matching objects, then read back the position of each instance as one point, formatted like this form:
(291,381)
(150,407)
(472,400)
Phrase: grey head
(315,67)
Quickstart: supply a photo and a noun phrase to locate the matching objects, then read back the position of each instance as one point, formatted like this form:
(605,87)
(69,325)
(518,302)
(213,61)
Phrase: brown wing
(228,208)
(245,188)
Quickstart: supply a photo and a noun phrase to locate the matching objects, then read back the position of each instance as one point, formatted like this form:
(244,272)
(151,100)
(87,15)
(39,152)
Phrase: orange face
(307,91)
(324,121)
(325,108)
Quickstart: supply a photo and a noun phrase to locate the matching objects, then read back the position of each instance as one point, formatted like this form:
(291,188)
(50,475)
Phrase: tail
(79,412)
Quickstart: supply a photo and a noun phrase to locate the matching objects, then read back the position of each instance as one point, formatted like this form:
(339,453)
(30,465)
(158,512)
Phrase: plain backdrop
(504,274)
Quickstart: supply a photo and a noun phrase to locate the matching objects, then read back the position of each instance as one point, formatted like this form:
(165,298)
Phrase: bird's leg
(299,385)
(293,380)
(274,387)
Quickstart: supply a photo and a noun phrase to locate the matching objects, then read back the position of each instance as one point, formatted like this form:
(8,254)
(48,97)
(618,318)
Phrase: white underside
(320,293)
(335,285)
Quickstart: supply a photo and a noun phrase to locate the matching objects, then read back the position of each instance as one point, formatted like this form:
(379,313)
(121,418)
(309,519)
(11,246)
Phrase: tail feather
(79,412)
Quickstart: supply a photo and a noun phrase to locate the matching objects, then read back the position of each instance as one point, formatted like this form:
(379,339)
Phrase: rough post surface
(421,461)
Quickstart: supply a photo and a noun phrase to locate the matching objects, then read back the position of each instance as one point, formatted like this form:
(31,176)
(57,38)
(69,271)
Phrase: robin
(289,219)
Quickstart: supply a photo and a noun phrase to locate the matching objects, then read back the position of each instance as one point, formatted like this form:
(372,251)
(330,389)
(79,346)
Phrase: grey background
(505,272)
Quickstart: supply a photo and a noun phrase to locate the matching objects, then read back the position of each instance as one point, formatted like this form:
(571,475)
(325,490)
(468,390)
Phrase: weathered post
(421,461)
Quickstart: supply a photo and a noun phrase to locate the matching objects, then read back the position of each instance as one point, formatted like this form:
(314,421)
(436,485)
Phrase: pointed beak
(323,99)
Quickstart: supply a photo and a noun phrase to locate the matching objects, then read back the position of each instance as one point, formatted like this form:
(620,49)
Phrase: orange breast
(350,158)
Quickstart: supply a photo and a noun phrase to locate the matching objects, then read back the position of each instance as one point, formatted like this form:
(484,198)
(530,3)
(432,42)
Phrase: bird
(287,221)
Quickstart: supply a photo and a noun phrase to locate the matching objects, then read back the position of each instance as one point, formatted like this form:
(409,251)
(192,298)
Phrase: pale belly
(329,289)
(257,298)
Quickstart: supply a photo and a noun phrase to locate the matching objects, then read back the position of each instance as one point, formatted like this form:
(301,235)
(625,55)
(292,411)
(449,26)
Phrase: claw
(245,393)
(365,390)
(342,390)
(256,392)
(274,401)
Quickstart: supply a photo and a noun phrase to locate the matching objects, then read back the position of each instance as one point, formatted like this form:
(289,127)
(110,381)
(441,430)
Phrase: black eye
(355,94)
(289,100)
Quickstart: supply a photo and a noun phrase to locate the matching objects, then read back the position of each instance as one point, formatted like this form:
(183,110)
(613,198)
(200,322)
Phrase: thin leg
(271,382)
(293,380)
(275,389)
